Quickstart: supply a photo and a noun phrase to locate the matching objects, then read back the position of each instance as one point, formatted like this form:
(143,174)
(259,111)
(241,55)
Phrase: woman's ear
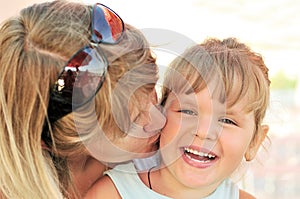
(256,142)
(153,97)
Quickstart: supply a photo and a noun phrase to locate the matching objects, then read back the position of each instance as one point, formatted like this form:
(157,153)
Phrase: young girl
(215,97)
(67,69)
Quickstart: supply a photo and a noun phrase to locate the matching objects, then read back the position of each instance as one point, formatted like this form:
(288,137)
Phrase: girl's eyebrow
(232,112)
(237,108)
(240,114)
(189,100)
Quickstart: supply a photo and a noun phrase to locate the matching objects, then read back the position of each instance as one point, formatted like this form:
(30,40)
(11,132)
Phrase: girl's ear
(256,142)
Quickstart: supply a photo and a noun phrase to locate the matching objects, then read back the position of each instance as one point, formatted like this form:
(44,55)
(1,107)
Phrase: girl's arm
(245,195)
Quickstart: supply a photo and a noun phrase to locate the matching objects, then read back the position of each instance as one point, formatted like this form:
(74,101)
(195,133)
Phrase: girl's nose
(208,129)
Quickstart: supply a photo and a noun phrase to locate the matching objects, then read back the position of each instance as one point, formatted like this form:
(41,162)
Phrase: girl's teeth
(199,153)
(200,161)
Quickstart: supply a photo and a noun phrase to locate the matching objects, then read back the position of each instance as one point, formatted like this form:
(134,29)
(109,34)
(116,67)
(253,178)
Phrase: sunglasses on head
(84,73)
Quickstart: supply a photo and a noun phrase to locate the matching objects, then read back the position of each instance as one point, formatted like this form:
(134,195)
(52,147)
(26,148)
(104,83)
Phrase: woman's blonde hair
(34,46)
(229,65)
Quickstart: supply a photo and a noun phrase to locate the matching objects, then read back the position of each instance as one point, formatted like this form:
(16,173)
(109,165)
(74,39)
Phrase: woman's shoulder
(103,188)
(245,195)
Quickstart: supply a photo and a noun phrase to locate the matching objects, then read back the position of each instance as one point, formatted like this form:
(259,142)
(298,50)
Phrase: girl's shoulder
(245,195)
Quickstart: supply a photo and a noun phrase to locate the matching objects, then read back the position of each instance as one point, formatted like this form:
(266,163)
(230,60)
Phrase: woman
(63,66)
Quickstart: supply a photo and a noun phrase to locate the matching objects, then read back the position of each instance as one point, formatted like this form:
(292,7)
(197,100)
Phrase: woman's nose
(157,119)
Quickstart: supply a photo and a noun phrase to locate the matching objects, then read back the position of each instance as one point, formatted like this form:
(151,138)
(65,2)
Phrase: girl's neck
(165,183)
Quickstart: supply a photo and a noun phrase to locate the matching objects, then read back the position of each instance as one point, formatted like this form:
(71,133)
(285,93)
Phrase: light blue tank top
(130,185)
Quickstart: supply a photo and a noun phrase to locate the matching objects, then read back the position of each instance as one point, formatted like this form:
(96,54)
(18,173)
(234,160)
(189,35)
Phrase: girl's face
(203,142)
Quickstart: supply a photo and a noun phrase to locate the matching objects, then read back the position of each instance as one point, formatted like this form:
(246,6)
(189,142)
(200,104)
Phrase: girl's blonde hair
(34,47)
(227,64)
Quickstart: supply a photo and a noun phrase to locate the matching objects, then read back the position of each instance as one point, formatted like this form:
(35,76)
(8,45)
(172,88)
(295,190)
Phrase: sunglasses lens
(82,76)
(107,25)
(85,72)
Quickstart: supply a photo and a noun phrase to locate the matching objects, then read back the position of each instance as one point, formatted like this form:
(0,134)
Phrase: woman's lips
(198,157)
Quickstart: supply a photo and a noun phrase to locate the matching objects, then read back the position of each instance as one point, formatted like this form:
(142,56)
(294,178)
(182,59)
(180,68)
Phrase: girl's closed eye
(227,121)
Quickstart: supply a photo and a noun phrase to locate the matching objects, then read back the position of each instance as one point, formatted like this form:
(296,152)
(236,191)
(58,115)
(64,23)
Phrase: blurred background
(270,27)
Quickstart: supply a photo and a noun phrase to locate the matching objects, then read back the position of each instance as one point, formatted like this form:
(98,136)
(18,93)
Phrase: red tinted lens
(82,76)
(107,25)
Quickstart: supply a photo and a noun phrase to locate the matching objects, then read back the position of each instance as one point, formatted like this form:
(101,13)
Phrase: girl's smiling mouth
(198,157)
